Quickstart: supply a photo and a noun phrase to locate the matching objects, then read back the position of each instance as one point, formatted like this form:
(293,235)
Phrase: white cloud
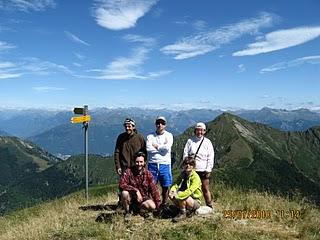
(241,68)
(77,64)
(293,63)
(121,14)
(8,70)
(79,56)
(147,41)
(6,75)
(126,67)
(6,65)
(281,39)
(48,89)
(5,45)
(130,67)
(31,66)
(75,38)
(203,43)
(199,25)
(27,5)
(39,67)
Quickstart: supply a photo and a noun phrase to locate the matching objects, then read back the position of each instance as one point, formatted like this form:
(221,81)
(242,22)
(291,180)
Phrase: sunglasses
(188,163)
(160,122)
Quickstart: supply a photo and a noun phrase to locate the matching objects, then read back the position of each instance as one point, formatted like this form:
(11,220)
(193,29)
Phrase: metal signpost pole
(84,119)
(85,125)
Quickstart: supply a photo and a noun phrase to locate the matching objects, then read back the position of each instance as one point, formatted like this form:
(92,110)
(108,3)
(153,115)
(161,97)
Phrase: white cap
(201,125)
(161,118)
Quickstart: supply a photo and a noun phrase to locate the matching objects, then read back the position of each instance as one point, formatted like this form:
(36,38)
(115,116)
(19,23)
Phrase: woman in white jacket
(201,148)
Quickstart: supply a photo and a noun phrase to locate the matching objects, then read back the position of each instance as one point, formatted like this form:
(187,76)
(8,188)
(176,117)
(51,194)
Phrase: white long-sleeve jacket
(162,155)
(205,155)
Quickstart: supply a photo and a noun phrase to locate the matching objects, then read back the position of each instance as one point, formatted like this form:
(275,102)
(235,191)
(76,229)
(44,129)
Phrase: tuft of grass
(62,219)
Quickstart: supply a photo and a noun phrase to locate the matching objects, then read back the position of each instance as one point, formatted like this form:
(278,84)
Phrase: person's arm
(186,150)
(124,183)
(210,162)
(166,146)
(195,183)
(117,156)
(150,146)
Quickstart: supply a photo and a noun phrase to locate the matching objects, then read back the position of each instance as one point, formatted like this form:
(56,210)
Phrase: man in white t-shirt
(159,145)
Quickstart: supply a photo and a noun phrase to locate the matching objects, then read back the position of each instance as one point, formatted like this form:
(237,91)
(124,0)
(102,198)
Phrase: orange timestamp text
(261,214)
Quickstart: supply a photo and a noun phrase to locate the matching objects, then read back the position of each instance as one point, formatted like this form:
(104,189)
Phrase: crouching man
(186,193)
(139,191)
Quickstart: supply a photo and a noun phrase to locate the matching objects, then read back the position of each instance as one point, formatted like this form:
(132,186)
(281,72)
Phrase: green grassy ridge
(257,156)
(57,181)
(19,159)
(61,219)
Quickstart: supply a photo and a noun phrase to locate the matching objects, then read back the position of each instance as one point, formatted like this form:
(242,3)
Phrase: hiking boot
(127,217)
(191,213)
(148,216)
(181,216)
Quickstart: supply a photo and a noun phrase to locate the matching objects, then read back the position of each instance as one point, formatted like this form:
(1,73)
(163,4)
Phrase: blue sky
(174,54)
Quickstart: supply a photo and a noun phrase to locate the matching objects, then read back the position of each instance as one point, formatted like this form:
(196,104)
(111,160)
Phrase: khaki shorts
(204,175)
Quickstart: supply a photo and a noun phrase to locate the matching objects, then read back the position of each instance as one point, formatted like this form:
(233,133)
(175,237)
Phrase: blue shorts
(161,173)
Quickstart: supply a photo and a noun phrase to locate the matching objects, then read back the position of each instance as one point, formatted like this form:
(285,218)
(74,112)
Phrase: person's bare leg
(206,192)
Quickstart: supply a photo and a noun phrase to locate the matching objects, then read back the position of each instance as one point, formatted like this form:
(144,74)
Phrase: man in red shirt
(138,188)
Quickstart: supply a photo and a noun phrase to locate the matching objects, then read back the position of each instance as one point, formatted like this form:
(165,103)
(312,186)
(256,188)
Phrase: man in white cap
(201,149)
(128,144)
(159,145)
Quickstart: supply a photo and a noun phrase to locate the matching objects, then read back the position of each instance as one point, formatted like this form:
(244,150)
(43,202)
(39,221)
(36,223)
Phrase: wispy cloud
(77,64)
(241,68)
(48,89)
(146,41)
(281,39)
(27,5)
(8,70)
(126,67)
(6,65)
(293,63)
(199,25)
(39,67)
(120,14)
(31,66)
(79,56)
(5,45)
(76,39)
(206,42)
(130,67)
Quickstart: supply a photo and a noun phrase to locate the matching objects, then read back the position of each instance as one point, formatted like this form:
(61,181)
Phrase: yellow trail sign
(81,119)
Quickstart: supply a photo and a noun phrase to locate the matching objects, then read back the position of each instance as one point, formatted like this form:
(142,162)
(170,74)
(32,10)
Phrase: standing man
(128,144)
(201,148)
(159,146)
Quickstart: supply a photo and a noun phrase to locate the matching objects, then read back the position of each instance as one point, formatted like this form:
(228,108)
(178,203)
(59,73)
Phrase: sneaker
(179,217)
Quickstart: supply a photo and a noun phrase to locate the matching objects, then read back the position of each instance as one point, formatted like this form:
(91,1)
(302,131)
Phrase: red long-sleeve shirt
(131,181)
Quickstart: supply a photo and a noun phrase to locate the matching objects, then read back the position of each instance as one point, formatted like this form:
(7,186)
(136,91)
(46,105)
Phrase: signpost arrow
(81,119)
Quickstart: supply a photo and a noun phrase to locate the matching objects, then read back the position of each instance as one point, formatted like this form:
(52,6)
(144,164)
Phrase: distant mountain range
(54,132)
(248,155)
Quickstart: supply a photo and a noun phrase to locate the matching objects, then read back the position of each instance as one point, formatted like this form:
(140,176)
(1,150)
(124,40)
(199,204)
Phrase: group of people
(141,165)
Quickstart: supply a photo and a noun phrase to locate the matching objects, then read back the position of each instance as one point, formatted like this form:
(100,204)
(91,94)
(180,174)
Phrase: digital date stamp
(261,213)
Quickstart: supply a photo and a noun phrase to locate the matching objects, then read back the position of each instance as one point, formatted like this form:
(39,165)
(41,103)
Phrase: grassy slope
(61,219)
